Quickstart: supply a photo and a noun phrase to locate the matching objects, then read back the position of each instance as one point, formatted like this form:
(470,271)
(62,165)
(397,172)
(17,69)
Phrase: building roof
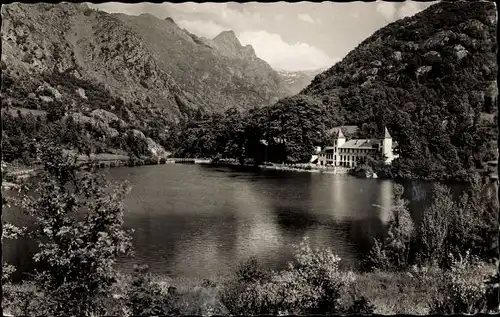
(361,143)
(349,129)
(340,134)
(386,134)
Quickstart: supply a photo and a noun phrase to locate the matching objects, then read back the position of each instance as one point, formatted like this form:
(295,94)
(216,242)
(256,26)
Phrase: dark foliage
(284,132)
(145,297)
(78,226)
(430,79)
(449,230)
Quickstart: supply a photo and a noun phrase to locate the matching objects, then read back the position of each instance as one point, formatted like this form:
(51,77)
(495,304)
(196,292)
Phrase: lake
(201,221)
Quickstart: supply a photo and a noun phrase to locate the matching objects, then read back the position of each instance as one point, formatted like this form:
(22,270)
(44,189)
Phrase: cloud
(116,7)
(279,17)
(305,17)
(219,13)
(281,55)
(408,9)
(393,11)
(387,10)
(208,29)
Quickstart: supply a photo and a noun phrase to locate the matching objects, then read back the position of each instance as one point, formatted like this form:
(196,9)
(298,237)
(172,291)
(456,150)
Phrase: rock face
(116,73)
(413,75)
(141,59)
(221,70)
(72,39)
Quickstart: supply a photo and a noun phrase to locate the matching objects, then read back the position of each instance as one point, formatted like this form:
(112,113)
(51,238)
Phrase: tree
(393,252)
(294,126)
(434,227)
(79,230)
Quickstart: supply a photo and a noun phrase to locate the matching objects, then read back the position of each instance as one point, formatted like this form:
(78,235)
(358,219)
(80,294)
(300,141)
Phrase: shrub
(144,296)
(241,294)
(312,284)
(449,229)
(464,291)
(251,271)
(314,281)
(79,230)
(361,306)
(493,293)
(433,230)
(202,301)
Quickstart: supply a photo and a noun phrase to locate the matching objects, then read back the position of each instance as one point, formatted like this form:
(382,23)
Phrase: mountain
(221,70)
(71,60)
(431,79)
(298,80)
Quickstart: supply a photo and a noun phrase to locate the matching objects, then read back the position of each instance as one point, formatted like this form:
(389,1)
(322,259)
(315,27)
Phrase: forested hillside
(431,79)
(121,81)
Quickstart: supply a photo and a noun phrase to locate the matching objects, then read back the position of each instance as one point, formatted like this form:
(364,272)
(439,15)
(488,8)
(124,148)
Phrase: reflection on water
(193,220)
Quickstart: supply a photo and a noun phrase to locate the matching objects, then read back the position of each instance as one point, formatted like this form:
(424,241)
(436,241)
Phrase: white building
(348,153)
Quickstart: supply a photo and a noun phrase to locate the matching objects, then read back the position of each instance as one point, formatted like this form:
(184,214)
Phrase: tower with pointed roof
(338,142)
(387,147)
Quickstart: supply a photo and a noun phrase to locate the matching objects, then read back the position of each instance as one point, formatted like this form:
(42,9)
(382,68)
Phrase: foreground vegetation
(440,265)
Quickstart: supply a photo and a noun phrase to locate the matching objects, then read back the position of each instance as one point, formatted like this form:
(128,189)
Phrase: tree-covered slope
(72,61)
(431,79)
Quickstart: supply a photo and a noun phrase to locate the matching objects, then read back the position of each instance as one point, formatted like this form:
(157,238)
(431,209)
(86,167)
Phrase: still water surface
(201,221)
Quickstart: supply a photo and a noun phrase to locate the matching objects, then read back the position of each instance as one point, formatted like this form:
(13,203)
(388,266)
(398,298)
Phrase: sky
(288,36)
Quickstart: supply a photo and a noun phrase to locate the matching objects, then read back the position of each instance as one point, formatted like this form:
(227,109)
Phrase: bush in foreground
(145,297)
(393,252)
(79,229)
(312,284)
(464,290)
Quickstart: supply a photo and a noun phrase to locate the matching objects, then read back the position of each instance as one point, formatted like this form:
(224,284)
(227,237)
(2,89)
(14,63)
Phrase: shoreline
(304,167)
(11,178)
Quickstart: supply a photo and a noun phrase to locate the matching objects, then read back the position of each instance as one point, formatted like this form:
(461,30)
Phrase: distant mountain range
(298,80)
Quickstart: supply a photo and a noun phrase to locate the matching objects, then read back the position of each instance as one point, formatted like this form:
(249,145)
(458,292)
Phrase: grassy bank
(412,292)
(409,292)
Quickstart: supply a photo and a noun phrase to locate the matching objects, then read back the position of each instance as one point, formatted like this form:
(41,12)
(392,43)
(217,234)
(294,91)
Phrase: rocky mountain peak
(227,38)
(228,45)
(249,50)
